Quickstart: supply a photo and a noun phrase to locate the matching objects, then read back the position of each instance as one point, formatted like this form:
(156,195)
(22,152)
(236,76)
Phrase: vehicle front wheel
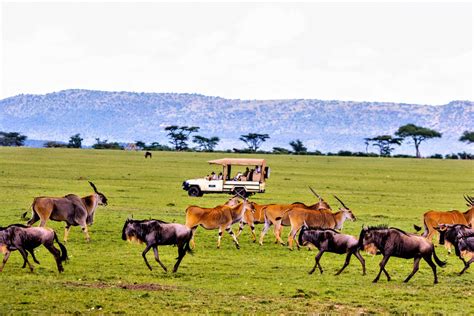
(194,191)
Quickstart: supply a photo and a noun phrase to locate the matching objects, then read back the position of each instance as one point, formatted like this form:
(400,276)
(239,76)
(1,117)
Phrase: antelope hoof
(237,246)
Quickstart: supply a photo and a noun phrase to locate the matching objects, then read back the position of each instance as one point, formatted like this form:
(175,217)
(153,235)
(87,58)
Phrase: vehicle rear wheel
(194,191)
(240,192)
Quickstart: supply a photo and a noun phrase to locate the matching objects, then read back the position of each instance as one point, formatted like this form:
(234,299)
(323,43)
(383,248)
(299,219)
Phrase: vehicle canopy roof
(238,162)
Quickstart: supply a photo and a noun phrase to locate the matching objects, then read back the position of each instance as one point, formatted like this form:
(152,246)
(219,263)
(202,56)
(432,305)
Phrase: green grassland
(108,275)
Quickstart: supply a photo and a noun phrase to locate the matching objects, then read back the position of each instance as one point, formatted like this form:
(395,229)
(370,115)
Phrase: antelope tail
(23,216)
(438,262)
(416,227)
(64,256)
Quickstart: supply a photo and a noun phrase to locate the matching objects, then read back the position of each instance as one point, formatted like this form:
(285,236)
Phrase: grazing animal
(277,215)
(25,239)
(220,217)
(432,219)
(252,218)
(72,209)
(397,243)
(461,237)
(322,218)
(156,233)
(148,155)
(329,240)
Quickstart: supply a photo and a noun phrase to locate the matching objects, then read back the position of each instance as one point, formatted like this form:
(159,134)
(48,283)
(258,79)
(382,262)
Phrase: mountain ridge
(325,125)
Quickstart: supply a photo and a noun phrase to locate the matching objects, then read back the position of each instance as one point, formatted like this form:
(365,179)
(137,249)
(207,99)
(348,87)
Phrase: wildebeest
(72,209)
(277,215)
(329,240)
(156,233)
(432,219)
(220,217)
(148,154)
(321,218)
(395,242)
(461,237)
(25,239)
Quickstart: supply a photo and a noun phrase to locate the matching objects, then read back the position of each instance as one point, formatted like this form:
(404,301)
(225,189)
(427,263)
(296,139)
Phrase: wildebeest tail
(437,260)
(64,256)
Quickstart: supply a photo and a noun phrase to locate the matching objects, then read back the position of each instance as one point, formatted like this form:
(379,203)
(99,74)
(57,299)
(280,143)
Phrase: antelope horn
(93,186)
(314,192)
(340,201)
(237,193)
(469,200)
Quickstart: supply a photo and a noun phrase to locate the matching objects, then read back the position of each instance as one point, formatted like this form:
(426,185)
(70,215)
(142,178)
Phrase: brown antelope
(432,219)
(277,215)
(72,209)
(220,217)
(322,218)
(251,218)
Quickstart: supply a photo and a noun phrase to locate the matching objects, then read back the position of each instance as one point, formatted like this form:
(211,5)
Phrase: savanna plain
(108,275)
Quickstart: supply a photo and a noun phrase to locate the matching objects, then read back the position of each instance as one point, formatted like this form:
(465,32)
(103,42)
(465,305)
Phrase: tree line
(180,137)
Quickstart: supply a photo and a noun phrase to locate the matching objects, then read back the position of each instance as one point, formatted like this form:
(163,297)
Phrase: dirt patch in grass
(136,287)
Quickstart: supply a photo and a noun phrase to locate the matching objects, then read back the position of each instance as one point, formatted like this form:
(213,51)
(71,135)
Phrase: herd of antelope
(317,224)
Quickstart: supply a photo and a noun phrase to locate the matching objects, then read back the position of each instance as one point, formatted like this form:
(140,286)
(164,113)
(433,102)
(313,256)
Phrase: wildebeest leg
(155,250)
(57,255)
(181,254)
(466,265)
(32,251)
(316,263)
(5,259)
(382,268)
(66,232)
(229,230)
(346,263)
(361,259)
(264,231)
(416,266)
(433,267)
(24,254)
(144,256)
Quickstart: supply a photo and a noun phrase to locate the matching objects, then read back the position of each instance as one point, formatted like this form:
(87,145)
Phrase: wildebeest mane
(322,228)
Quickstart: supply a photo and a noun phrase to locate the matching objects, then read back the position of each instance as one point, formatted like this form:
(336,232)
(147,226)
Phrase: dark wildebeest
(72,209)
(461,237)
(155,233)
(331,241)
(24,238)
(148,154)
(397,243)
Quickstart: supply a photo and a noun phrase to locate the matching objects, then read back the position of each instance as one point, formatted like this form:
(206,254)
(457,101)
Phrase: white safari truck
(246,179)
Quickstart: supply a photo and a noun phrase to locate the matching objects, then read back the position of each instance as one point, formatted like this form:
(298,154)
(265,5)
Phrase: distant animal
(322,218)
(220,217)
(148,155)
(277,215)
(329,240)
(432,219)
(397,243)
(72,209)
(461,237)
(25,239)
(156,233)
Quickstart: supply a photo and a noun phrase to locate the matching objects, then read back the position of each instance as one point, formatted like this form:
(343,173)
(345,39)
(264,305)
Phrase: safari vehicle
(250,182)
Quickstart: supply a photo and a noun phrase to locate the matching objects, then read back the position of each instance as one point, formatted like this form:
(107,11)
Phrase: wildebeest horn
(340,201)
(314,192)
(93,186)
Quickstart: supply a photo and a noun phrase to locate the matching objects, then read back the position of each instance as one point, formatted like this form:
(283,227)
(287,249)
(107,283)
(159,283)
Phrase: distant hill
(322,125)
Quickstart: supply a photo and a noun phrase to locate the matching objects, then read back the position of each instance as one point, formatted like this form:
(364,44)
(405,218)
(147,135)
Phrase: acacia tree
(75,141)
(12,139)
(206,144)
(467,137)
(298,147)
(254,140)
(385,143)
(179,135)
(418,134)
